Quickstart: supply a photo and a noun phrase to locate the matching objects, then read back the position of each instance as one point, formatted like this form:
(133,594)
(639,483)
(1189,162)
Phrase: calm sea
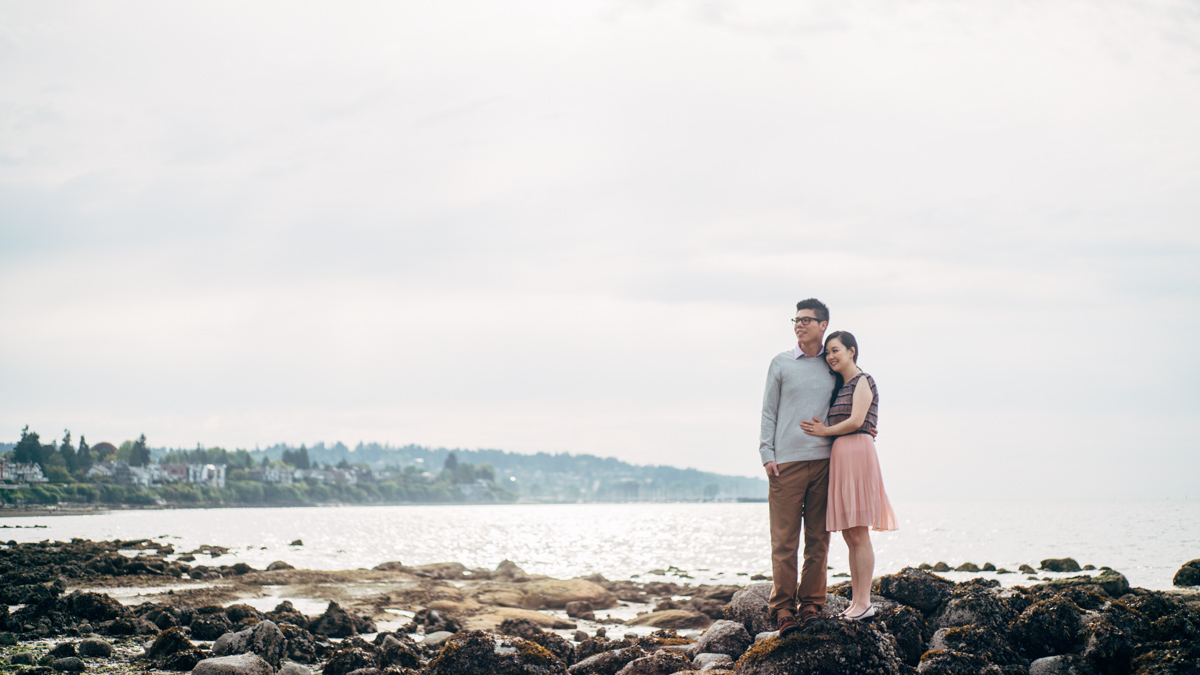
(1146,540)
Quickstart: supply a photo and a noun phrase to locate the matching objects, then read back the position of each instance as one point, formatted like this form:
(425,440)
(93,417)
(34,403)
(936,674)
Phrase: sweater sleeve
(770,414)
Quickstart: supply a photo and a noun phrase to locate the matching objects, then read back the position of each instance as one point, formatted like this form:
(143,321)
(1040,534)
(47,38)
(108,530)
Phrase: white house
(207,474)
(21,473)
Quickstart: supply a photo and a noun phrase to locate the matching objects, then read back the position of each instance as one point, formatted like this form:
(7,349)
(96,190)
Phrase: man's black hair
(818,308)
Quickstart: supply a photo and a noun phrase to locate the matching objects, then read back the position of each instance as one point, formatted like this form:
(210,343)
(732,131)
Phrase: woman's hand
(815,427)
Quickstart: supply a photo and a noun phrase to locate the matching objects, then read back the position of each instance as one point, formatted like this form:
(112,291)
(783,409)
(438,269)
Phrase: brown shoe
(808,614)
(787,625)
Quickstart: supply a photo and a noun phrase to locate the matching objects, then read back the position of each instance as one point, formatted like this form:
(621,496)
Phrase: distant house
(273,474)
(477,491)
(206,474)
(21,473)
(102,470)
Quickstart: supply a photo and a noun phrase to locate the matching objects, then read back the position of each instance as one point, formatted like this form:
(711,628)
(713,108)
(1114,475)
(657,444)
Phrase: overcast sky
(583,226)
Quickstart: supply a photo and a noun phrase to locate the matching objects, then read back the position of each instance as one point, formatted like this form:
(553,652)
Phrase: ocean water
(724,543)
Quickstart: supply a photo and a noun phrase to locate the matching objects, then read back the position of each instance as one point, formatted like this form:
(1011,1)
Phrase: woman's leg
(862,566)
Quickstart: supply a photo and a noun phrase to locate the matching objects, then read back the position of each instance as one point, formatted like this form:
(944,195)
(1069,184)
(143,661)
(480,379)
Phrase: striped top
(843,404)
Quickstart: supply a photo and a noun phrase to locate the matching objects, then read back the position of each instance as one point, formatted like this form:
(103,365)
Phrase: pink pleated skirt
(856,494)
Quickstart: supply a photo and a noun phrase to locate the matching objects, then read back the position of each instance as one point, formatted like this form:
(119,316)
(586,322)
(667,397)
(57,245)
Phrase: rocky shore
(108,607)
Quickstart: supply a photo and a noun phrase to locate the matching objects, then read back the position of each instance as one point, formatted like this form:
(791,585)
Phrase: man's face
(807,327)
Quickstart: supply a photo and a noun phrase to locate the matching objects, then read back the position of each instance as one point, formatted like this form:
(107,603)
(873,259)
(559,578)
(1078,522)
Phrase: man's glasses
(804,320)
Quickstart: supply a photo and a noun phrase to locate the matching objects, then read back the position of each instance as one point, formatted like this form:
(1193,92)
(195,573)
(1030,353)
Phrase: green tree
(451,463)
(139,454)
(29,448)
(67,451)
(83,456)
(124,452)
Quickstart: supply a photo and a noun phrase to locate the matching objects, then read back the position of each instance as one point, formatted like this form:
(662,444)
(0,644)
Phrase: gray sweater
(797,389)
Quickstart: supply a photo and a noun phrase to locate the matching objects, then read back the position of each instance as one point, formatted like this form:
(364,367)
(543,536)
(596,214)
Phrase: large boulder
(210,625)
(1113,582)
(671,618)
(1060,565)
(749,607)
(825,647)
(1048,627)
(479,653)
(398,651)
(556,593)
(981,642)
(1188,574)
(96,648)
(662,662)
(975,605)
(264,639)
(507,570)
(241,664)
(724,637)
(915,588)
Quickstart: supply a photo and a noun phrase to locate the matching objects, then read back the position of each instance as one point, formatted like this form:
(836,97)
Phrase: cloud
(581,227)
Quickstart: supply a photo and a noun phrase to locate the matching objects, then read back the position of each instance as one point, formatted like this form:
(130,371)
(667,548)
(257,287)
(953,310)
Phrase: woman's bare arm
(858,414)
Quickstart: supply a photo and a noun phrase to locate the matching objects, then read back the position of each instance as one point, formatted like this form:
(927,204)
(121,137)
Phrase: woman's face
(839,358)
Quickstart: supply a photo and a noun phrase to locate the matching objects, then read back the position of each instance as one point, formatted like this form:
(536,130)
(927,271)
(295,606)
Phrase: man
(799,387)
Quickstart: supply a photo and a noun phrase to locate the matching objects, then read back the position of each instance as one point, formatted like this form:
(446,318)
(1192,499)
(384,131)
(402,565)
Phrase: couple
(824,474)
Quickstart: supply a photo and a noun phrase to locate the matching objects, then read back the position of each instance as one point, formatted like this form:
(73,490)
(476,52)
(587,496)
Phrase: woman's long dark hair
(847,339)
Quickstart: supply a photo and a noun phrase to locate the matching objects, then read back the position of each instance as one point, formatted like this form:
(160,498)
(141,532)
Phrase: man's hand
(874,432)
(772,468)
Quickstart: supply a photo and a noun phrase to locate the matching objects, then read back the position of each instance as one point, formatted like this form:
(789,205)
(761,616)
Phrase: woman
(857,500)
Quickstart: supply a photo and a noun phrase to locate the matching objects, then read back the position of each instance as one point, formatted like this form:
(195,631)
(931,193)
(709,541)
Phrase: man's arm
(770,414)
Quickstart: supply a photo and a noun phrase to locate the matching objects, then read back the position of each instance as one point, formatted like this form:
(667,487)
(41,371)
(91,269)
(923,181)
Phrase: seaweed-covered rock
(972,604)
(599,644)
(171,650)
(96,647)
(241,664)
(556,645)
(337,622)
(63,650)
(352,656)
(479,653)
(210,625)
(982,642)
(68,664)
(1113,582)
(398,652)
(949,662)
(1048,627)
(286,612)
(915,588)
(1188,574)
(749,607)
(300,644)
(238,612)
(1107,648)
(607,662)
(1177,658)
(909,628)
(1060,565)
(519,627)
(725,637)
(94,606)
(663,662)
(825,647)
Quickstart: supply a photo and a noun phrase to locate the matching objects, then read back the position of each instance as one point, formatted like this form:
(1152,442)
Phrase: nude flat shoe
(870,612)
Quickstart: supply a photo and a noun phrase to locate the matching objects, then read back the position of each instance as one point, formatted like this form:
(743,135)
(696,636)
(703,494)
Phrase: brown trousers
(798,494)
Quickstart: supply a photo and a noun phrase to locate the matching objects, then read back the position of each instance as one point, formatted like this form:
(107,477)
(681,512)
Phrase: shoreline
(154,607)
